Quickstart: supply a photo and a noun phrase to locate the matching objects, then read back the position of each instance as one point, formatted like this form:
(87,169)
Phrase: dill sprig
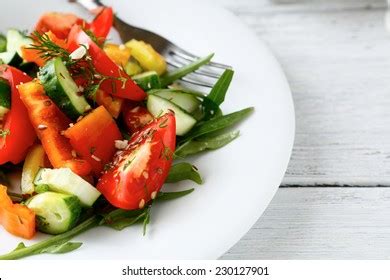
(47,49)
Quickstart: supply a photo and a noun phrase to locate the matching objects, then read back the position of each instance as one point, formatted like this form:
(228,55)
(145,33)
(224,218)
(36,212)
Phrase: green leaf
(48,244)
(208,142)
(146,220)
(20,246)
(210,109)
(217,123)
(165,196)
(220,89)
(123,223)
(62,248)
(119,214)
(181,72)
(119,219)
(183,171)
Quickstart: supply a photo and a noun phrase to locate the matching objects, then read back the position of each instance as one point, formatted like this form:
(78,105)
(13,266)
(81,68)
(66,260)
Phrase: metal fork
(175,56)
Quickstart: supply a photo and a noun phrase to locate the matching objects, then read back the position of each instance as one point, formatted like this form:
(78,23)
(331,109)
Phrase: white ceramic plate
(240,179)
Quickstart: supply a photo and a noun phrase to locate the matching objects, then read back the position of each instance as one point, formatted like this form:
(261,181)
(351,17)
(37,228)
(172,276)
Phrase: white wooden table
(334,202)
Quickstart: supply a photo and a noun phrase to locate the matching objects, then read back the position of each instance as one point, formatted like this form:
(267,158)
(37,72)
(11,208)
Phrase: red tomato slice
(58,23)
(136,117)
(138,172)
(13,147)
(124,88)
(102,23)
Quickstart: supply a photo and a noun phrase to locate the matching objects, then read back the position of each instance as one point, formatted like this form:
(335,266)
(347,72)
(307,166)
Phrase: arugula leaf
(146,219)
(165,196)
(21,245)
(63,248)
(54,244)
(216,124)
(220,89)
(183,171)
(60,248)
(119,214)
(181,72)
(208,142)
(123,223)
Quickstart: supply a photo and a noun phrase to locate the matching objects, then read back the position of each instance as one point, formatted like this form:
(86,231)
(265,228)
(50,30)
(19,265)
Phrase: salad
(95,129)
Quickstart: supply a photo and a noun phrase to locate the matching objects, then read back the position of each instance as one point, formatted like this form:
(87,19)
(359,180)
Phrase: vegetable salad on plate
(92,130)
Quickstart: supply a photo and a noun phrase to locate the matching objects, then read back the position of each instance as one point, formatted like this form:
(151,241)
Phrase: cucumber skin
(93,196)
(53,88)
(180,115)
(148,80)
(71,202)
(5,94)
(3,43)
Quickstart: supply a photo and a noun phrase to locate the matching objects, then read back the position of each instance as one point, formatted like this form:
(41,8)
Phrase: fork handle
(90,5)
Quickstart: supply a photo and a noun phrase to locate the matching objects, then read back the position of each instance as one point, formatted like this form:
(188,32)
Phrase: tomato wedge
(136,117)
(138,172)
(14,146)
(122,85)
(58,23)
(102,23)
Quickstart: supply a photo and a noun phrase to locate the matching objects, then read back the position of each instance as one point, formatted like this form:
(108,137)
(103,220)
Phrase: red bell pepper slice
(121,85)
(14,146)
(93,138)
(50,124)
(15,218)
(102,23)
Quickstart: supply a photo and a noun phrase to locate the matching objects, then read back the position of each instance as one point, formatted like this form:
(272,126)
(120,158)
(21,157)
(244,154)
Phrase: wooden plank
(321,223)
(336,55)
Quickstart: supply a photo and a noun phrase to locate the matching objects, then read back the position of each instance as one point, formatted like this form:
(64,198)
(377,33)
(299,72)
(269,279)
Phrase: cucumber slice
(56,213)
(5,98)
(11,58)
(3,43)
(61,88)
(148,80)
(16,40)
(158,106)
(63,180)
(184,100)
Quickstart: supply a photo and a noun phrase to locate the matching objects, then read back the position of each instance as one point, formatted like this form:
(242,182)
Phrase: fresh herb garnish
(217,124)
(165,196)
(183,171)
(211,141)
(181,72)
